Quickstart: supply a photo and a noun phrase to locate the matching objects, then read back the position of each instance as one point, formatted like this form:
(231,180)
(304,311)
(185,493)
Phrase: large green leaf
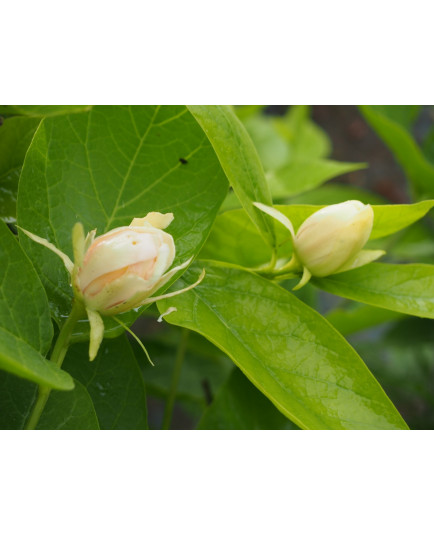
(239,159)
(72,410)
(107,166)
(25,324)
(405,149)
(240,406)
(405,288)
(15,136)
(288,350)
(301,175)
(114,382)
(235,240)
(64,410)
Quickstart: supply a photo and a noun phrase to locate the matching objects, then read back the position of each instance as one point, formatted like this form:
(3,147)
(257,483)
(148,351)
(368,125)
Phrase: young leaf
(405,288)
(240,406)
(107,166)
(240,161)
(286,349)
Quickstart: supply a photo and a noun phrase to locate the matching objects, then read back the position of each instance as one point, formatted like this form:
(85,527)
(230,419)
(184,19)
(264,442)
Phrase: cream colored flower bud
(126,265)
(120,270)
(333,236)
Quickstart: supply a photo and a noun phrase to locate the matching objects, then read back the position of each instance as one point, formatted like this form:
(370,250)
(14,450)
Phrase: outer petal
(120,295)
(156,219)
(274,213)
(96,332)
(363,257)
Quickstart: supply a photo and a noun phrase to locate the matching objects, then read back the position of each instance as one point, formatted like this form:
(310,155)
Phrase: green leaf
(406,151)
(240,406)
(114,382)
(331,194)
(360,317)
(239,159)
(235,240)
(15,137)
(405,288)
(23,303)
(307,139)
(404,115)
(42,111)
(428,145)
(25,324)
(285,348)
(104,168)
(301,175)
(72,410)
(64,410)
(18,357)
(273,149)
(16,400)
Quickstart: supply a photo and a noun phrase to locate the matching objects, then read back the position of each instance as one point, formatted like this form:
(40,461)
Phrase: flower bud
(123,267)
(120,270)
(331,237)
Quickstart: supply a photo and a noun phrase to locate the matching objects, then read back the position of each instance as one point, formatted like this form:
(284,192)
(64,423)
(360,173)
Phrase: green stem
(57,357)
(175,379)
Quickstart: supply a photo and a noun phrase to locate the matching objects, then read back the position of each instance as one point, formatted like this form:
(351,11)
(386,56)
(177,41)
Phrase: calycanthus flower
(121,269)
(330,240)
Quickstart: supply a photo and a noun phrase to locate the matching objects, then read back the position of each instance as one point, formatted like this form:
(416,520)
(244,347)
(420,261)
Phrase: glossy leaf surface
(285,348)
(239,159)
(405,288)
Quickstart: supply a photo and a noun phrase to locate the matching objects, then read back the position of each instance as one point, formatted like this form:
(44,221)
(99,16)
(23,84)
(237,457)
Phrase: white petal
(271,211)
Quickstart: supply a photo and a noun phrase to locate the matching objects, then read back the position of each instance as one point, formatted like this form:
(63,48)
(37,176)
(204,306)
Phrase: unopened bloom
(333,236)
(330,240)
(120,270)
